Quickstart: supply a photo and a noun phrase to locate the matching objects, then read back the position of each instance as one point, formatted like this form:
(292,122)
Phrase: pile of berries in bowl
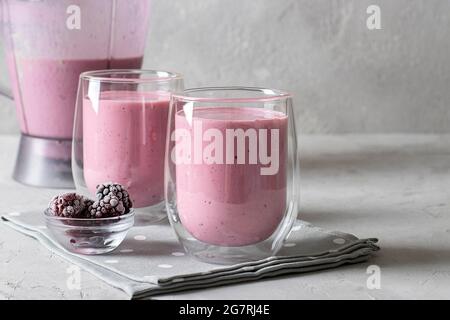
(86,226)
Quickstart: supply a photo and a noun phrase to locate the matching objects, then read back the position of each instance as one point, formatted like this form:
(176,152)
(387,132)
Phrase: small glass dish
(89,236)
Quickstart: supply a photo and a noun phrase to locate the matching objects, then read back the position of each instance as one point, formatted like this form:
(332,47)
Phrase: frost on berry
(112,200)
(69,205)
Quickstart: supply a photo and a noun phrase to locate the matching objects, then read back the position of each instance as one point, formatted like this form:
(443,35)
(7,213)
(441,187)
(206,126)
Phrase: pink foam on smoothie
(232,204)
(124,141)
(45,91)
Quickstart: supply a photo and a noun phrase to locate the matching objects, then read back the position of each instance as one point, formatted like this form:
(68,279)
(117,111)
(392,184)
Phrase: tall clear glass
(231,172)
(120,134)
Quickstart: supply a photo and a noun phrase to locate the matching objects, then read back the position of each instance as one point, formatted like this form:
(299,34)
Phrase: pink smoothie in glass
(124,142)
(231,204)
(45,91)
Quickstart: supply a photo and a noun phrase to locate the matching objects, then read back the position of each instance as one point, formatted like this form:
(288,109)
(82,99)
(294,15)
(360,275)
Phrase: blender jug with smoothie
(48,43)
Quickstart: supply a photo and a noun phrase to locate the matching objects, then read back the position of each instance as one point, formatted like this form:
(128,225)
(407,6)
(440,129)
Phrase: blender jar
(48,44)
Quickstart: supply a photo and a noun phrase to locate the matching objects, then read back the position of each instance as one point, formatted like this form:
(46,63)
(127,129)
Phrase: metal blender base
(44,162)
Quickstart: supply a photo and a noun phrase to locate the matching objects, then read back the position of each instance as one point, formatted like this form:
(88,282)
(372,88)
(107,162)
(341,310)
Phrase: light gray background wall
(345,78)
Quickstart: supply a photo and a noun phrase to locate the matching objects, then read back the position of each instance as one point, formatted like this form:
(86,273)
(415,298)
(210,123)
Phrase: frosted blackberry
(70,205)
(112,200)
(114,190)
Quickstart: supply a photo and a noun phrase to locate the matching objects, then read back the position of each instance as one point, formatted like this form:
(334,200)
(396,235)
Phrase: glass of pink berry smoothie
(231,172)
(120,134)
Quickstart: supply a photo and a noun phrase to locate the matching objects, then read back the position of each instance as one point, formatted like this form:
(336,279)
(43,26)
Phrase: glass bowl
(89,236)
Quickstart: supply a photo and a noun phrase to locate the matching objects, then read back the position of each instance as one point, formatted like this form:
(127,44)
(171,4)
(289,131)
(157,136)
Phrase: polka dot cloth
(339,241)
(290,245)
(111,261)
(14,214)
(151,259)
(126,250)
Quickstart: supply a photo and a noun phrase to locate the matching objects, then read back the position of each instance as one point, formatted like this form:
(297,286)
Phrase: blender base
(44,162)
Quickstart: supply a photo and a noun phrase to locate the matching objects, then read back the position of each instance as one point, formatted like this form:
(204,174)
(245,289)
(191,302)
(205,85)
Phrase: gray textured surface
(345,78)
(394,187)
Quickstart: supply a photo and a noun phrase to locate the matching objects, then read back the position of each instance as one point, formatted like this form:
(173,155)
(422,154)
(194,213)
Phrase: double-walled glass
(231,172)
(120,134)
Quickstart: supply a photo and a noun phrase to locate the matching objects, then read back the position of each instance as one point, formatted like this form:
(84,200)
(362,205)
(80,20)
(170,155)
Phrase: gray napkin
(150,260)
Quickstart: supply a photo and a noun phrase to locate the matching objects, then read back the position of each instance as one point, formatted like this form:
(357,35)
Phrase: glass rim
(152,75)
(58,218)
(261,94)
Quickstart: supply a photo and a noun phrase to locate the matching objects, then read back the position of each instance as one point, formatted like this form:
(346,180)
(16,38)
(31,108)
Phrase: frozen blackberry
(69,205)
(112,200)
(114,189)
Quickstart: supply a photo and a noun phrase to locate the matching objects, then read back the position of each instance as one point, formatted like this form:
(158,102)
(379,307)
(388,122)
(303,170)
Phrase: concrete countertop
(394,187)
